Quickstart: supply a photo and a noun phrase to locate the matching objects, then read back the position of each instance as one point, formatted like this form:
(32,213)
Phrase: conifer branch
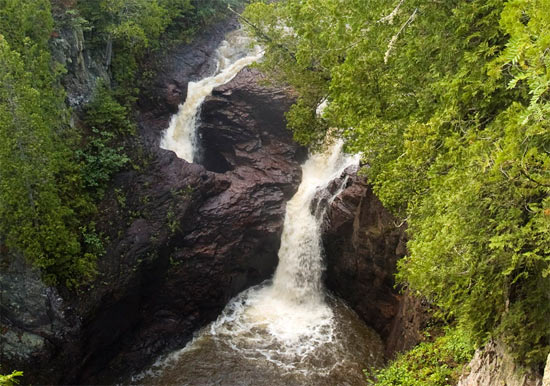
(261,33)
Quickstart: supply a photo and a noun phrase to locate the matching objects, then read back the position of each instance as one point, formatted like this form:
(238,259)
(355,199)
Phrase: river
(288,330)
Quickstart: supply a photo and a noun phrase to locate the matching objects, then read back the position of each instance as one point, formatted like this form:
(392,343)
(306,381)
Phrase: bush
(9,380)
(101,161)
(434,363)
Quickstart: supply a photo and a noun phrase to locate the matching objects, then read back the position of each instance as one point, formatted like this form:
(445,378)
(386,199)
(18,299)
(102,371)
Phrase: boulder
(492,365)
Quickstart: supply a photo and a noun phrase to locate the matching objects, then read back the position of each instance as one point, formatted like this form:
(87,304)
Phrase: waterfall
(292,309)
(233,54)
(298,275)
(287,330)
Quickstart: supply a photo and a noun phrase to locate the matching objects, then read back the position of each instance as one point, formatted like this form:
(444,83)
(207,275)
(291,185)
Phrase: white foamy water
(233,54)
(287,331)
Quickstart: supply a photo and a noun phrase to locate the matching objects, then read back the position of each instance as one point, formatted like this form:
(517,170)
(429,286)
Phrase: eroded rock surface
(202,237)
(362,244)
(492,365)
(183,239)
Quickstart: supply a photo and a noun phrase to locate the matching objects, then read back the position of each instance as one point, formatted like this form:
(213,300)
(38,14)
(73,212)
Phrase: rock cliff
(85,69)
(363,243)
(183,239)
(492,365)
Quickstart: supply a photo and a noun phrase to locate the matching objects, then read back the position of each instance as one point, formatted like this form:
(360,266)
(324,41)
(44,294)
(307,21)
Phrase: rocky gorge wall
(183,239)
(363,243)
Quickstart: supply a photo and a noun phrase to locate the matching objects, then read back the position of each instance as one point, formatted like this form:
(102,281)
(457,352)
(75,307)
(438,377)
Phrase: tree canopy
(38,174)
(53,173)
(448,104)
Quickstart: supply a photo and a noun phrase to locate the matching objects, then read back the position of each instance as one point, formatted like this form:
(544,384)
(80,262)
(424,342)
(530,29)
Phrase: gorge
(287,330)
(185,235)
(185,240)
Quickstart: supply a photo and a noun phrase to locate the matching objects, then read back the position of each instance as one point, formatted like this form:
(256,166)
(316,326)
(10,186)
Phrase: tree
(41,197)
(448,103)
(34,219)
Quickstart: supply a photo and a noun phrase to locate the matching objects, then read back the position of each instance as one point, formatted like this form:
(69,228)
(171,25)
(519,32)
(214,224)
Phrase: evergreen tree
(41,197)
(448,103)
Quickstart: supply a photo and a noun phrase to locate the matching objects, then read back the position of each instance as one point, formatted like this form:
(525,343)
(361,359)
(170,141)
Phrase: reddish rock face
(202,236)
(184,238)
(363,242)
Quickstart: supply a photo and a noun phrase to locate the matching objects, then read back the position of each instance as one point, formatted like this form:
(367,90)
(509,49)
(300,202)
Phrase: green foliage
(26,21)
(50,174)
(40,194)
(126,30)
(448,103)
(106,113)
(10,379)
(102,157)
(432,363)
(101,160)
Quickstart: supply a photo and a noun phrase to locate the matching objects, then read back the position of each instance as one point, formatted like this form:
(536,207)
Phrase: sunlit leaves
(454,126)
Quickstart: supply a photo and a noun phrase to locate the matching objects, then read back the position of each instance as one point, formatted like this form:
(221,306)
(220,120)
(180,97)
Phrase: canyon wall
(183,239)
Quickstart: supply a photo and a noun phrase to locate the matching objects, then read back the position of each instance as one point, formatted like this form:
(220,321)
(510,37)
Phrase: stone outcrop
(241,126)
(362,243)
(183,239)
(492,365)
(85,70)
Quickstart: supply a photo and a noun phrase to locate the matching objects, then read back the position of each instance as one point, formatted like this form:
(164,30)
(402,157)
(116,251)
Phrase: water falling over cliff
(233,54)
(288,330)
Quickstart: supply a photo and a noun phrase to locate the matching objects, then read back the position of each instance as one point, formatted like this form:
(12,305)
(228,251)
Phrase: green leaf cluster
(448,104)
(103,154)
(41,191)
(436,362)
(10,379)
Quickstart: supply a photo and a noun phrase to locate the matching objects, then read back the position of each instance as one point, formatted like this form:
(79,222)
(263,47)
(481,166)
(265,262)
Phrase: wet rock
(241,125)
(200,237)
(185,63)
(492,365)
(363,242)
(183,239)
